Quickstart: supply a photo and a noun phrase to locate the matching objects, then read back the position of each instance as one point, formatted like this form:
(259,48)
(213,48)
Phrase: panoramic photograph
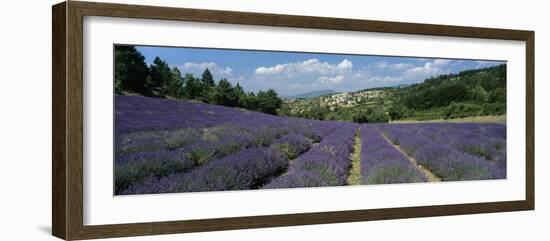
(204,119)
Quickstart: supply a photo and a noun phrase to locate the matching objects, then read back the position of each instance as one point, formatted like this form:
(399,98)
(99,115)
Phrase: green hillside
(477,92)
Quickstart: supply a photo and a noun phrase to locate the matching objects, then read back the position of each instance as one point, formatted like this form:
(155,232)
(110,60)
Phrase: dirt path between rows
(429,175)
(354,177)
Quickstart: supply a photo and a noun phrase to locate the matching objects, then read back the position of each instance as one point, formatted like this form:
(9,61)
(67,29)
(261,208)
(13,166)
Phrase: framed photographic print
(172,120)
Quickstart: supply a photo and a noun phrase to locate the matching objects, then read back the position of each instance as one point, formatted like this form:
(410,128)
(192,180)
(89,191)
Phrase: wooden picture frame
(67,124)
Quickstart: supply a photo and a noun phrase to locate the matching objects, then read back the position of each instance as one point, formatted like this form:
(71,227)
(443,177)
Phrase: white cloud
(400,66)
(277,69)
(302,76)
(435,67)
(310,66)
(381,65)
(313,74)
(371,77)
(394,67)
(240,79)
(216,70)
(441,62)
(345,64)
(331,80)
(360,74)
(384,79)
(427,68)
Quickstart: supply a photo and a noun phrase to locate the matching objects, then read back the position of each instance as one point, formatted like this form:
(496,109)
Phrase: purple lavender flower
(326,164)
(184,146)
(381,163)
(453,161)
(292,145)
(243,170)
(136,167)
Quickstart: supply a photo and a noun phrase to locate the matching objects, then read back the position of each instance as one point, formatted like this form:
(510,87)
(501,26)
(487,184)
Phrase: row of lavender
(326,164)
(381,163)
(485,140)
(454,151)
(181,150)
(171,155)
(248,168)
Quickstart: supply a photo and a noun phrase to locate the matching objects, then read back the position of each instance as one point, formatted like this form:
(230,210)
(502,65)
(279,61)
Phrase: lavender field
(168,146)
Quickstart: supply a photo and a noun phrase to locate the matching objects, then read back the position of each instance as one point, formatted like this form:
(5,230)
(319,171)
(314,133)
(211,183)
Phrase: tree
(360,117)
(285,110)
(207,79)
(250,102)
(192,88)
(316,112)
(370,115)
(498,95)
(175,86)
(207,87)
(130,70)
(161,76)
(397,111)
(239,94)
(269,102)
(478,94)
(378,117)
(224,94)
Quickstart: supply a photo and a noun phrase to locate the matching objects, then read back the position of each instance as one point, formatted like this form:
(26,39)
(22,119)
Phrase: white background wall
(25,120)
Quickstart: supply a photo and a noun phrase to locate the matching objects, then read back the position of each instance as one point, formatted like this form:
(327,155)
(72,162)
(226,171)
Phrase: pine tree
(269,102)
(175,87)
(130,70)
(207,78)
(224,94)
(239,94)
(192,88)
(161,76)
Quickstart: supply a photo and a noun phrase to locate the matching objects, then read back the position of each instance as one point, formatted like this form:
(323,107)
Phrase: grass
(477,119)
(354,177)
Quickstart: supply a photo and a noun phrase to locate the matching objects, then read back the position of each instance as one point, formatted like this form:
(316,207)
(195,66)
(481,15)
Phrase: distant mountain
(312,94)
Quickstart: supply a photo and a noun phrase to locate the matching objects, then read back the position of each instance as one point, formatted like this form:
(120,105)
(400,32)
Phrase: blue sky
(292,73)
